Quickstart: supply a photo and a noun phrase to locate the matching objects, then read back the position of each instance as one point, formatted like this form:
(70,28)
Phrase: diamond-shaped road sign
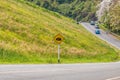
(58,39)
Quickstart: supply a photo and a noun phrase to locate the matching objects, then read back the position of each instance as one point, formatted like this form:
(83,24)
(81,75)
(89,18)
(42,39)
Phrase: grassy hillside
(27,31)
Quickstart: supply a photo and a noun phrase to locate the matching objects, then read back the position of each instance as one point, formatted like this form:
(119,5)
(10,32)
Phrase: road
(106,37)
(94,71)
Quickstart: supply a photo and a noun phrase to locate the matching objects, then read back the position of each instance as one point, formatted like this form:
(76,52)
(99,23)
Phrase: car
(97,27)
(97,31)
(92,22)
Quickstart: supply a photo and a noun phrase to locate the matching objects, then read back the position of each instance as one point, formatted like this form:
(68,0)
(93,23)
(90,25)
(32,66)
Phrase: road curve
(96,71)
(106,37)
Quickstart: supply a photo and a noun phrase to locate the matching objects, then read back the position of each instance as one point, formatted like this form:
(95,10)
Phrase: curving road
(101,71)
(106,37)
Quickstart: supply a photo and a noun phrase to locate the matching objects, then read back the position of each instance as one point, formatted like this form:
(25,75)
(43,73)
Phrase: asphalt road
(104,36)
(96,71)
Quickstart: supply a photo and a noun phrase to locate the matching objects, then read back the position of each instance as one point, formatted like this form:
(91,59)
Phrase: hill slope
(27,31)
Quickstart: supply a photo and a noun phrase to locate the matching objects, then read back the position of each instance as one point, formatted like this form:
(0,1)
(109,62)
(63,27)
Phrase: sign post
(58,39)
(58,53)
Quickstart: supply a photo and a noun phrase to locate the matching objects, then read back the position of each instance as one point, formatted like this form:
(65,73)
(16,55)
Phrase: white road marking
(115,78)
(32,71)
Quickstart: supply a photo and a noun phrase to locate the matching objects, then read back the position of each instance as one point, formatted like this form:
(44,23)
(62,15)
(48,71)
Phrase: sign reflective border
(58,39)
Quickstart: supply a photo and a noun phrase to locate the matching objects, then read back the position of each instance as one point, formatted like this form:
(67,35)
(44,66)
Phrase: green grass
(27,31)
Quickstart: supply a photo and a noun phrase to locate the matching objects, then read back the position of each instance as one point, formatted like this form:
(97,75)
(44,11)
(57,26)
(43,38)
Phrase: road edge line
(113,78)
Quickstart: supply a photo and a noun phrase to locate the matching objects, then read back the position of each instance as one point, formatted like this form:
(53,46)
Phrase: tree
(115,18)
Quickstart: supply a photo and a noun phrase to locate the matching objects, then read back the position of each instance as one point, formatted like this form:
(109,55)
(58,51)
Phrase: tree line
(80,10)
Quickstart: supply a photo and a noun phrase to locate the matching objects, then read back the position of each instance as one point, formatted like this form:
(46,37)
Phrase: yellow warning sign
(58,39)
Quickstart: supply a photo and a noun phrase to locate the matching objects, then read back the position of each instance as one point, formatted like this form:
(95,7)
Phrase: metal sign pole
(58,39)
(58,53)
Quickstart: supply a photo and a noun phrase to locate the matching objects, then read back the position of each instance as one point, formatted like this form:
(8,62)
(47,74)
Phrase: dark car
(92,22)
(97,31)
(97,27)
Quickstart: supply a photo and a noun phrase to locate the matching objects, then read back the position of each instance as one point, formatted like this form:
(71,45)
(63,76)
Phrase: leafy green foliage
(77,9)
(111,19)
(115,18)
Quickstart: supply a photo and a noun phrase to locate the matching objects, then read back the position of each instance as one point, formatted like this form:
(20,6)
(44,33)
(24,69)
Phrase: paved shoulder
(101,71)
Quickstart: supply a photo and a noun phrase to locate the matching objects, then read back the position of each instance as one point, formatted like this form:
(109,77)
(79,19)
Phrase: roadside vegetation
(27,31)
(79,10)
(111,19)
